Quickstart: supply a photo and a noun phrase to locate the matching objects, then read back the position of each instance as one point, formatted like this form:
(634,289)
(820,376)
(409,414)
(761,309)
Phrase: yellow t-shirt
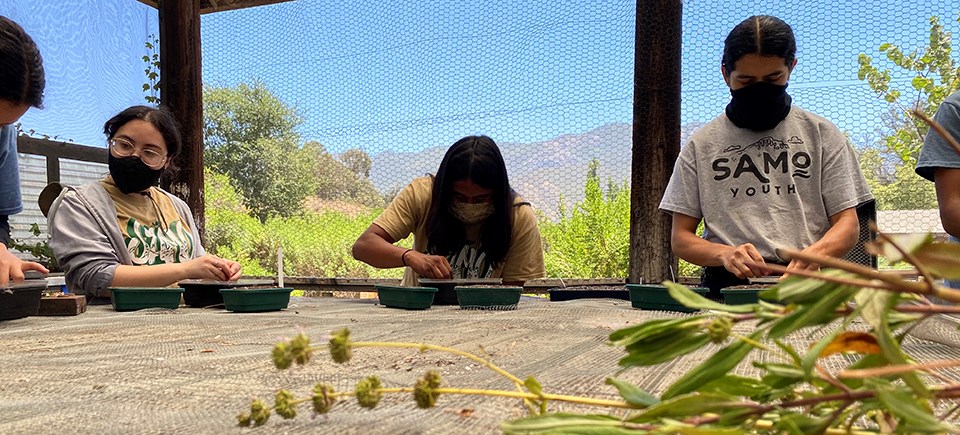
(408,214)
(153,231)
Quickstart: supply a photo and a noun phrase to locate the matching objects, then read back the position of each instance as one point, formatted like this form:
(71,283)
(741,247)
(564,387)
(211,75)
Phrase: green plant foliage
(592,239)
(936,75)
(314,244)
(250,136)
(151,61)
(39,247)
(895,185)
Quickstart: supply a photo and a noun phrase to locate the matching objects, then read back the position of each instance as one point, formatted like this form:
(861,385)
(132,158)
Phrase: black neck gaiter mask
(760,106)
(130,173)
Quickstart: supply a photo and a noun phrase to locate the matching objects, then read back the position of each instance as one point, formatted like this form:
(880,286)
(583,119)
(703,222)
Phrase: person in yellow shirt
(466,222)
(123,230)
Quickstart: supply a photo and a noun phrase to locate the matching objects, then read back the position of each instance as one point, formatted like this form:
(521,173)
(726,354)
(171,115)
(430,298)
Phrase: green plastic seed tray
(409,298)
(254,300)
(742,295)
(138,298)
(656,297)
(486,297)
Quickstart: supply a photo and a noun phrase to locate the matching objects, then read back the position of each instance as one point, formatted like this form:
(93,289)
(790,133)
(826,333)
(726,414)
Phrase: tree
(339,181)
(250,136)
(935,76)
(358,161)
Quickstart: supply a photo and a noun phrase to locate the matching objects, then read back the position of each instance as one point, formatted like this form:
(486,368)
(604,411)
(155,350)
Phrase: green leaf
(712,368)
(675,427)
(654,352)
(692,299)
(941,259)
(533,385)
(653,329)
(782,370)
(821,311)
(686,406)
(905,406)
(567,423)
(909,242)
(801,290)
(813,354)
(632,394)
(890,349)
(735,386)
(872,303)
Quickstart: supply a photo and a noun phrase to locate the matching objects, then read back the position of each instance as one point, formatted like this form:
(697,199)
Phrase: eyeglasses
(125,148)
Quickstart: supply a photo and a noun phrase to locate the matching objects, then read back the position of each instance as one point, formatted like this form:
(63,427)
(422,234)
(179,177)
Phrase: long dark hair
(763,35)
(161,118)
(478,159)
(21,66)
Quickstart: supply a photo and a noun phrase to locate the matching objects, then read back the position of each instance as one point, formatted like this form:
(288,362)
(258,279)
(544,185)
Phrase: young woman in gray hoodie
(123,230)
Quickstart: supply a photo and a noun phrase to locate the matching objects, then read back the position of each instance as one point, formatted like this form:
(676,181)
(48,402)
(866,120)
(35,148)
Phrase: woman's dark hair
(474,158)
(763,35)
(21,67)
(161,118)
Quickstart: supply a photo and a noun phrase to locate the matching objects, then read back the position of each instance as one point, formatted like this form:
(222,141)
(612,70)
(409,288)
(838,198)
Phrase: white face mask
(471,214)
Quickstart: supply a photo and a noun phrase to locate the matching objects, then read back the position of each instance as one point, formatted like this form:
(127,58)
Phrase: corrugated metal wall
(33,178)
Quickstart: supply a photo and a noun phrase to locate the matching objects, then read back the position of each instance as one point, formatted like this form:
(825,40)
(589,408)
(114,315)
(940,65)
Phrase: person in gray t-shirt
(21,86)
(940,163)
(765,174)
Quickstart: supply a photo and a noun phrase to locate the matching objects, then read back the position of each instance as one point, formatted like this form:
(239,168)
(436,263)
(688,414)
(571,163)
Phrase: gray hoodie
(86,239)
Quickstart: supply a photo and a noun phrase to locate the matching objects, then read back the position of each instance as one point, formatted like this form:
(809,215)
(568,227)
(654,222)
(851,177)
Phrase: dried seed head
(340,346)
(243,420)
(300,349)
(719,328)
(368,392)
(259,412)
(281,356)
(423,391)
(323,398)
(283,404)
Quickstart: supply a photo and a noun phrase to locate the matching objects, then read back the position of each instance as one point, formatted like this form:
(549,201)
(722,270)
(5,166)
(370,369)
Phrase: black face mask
(131,174)
(760,106)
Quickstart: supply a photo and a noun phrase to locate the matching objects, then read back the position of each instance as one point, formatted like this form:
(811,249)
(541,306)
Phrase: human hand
(745,261)
(12,268)
(429,266)
(211,267)
(798,264)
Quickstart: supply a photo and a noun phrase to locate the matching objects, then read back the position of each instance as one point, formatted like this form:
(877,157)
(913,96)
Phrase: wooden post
(656,135)
(181,90)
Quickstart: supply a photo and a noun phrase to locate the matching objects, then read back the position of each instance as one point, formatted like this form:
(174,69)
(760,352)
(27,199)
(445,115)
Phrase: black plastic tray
(199,293)
(446,288)
(21,299)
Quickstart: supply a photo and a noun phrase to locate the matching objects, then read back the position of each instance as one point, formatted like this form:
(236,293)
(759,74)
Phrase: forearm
(840,238)
(377,252)
(699,251)
(160,275)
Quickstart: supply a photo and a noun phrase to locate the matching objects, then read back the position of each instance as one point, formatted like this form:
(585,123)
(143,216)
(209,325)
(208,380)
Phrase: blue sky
(403,76)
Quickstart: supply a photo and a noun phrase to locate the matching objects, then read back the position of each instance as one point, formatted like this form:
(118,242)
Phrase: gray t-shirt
(774,188)
(936,152)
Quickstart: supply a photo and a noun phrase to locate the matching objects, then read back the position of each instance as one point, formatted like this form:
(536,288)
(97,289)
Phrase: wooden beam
(656,136)
(62,150)
(181,90)
(210,6)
